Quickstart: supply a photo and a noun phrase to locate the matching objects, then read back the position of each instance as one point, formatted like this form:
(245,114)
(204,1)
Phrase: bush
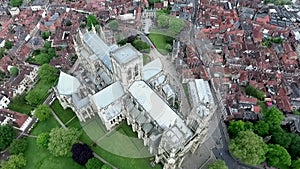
(18,146)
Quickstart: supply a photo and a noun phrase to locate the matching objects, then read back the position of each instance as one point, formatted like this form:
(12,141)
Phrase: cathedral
(111,82)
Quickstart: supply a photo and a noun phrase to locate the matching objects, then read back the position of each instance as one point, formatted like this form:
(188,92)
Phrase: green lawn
(42,88)
(64,115)
(146,59)
(39,158)
(160,41)
(19,104)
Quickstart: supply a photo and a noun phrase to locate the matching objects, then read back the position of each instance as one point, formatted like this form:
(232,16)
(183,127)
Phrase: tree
(14,162)
(294,149)
(235,127)
(42,112)
(8,44)
(218,164)
(273,117)
(48,73)
(92,20)
(61,141)
(93,163)
(18,146)
(7,134)
(282,138)
(141,45)
(296,164)
(2,52)
(248,125)
(252,91)
(14,71)
(42,58)
(168,47)
(162,21)
(261,128)
(42,140)
(278,156)
(15,3)
(249,148)
(2,75)
(45,35)
(114,25)
(106,166)
(81,153)
(175,25)
(33,97)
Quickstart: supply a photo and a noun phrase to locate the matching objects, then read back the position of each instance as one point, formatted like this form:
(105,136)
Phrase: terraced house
(112,83)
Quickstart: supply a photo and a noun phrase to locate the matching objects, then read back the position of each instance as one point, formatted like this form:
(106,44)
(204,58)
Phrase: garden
(163,43)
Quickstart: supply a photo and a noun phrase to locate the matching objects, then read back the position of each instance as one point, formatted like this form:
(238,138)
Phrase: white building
(4,101)
(112,82)
(14,11)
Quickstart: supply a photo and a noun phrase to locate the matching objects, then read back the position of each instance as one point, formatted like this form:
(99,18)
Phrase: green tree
(248,125)
(294,149)
(176,25)
(93,163)
(261,128)
(45,35)
(14,71)
(42,140)
(7,134)
(249,148)
(14,162)
(273,117)
(168,47)
(92,20)
(296,164)
(8,44)
(2,52)
(235,127)
(48,73)
(15,3)
(2,75)
(140,45)
(162,21)
(282,138)
(42,58)
(106,166)
(47,45)
(42,112)
(33,97)
(114,25)
(218,164)
(278,156)
(252,91)
(18,146)
(61,141)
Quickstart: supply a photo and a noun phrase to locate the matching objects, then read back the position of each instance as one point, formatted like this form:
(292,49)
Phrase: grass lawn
(121,147)
(42,88)
(64,115)
(160,41)
(146,59)
(19,104)
(39,158)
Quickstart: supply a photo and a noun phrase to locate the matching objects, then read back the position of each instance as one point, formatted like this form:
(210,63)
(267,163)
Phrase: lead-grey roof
(125,54)
(108,95)
(67,84)
(99,47)
(78,102)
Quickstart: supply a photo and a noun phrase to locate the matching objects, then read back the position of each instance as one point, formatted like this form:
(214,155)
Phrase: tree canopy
(7,134)
(106,166)
(93,163)
(61,141)
(114,25)
(294,149)
(42,140)
(15,3)
(18,146)
(81,153)
(278,156)
(8,44)
(175,25)
(296,164)
(249,148)
(235,127)
(14,71)
(282,138)
(141,45)
(273,117)
(261,128)
(252,91)
(42,112)
(218,164)
(48,73)
(92,20)
(45,35)
(163,21)
(14,162)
